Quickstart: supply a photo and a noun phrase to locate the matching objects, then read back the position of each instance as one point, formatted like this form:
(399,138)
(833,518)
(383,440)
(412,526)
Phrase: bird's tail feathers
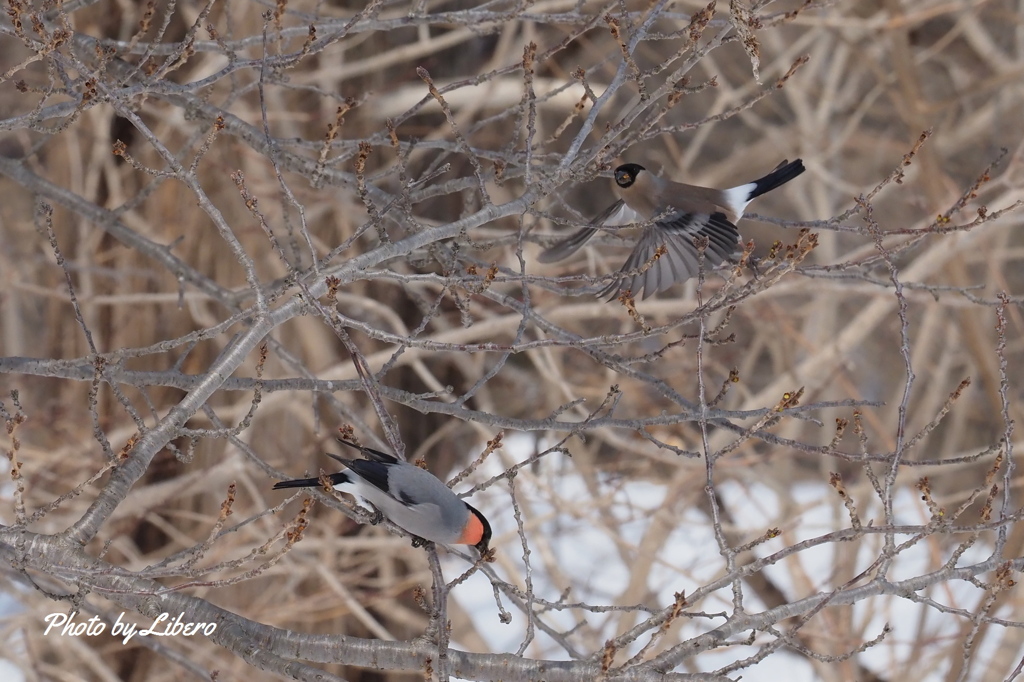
(737,198)
(782,174)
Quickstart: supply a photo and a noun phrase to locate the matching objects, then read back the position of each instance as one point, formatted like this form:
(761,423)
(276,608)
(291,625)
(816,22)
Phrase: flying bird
(410,497)
(674,214)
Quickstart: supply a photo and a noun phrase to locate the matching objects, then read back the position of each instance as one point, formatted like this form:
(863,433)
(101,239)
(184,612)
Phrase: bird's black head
(626,174)
(484,530)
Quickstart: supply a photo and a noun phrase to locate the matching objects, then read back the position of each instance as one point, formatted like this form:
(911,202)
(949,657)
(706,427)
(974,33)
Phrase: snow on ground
(562,523)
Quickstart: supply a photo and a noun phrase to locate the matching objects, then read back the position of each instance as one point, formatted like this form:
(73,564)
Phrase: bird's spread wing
(616,215)
(680,260)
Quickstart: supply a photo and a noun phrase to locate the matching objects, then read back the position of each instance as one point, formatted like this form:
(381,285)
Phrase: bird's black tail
(335,479)
(782,174)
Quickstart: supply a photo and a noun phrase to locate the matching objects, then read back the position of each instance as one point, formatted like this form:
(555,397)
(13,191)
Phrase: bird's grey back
(416,486)
(650,196)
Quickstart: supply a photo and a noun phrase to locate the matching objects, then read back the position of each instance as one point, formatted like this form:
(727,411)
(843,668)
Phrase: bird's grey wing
(416,486)
(680,261)
(649,280)
(723,237)
(411,498)
(426,520)
(616,215)
(430,509)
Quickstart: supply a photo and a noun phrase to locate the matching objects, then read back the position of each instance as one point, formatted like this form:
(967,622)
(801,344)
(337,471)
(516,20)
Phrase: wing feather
(681,260)
(616,215)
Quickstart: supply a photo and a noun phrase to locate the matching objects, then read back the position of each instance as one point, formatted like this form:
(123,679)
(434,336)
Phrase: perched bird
(674,214)
(410,497)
